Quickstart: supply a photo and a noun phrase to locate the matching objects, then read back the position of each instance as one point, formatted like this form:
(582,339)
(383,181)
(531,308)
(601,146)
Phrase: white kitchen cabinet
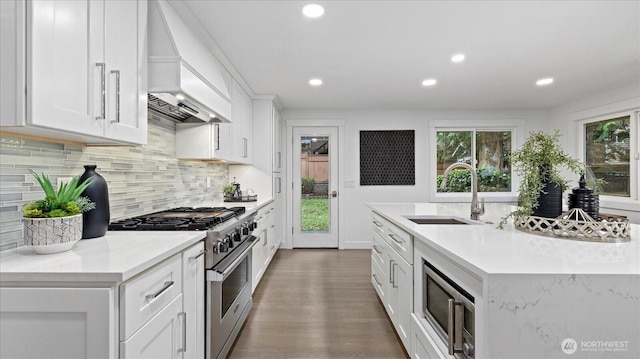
(392,274)
(277,142)
(242,115)
(58,323)
(193,295)
(204,141)
(161,337)
(422,346)
(84,65)
(267,245)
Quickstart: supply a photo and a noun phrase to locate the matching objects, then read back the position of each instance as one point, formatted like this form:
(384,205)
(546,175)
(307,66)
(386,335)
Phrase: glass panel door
(315,187)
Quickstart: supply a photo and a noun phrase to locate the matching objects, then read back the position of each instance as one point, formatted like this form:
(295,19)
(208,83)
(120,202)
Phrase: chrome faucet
(476,210)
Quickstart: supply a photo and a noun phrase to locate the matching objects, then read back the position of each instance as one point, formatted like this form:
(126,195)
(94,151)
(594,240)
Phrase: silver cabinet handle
(216,128)
(184,332)
(265,238)
(166,286)
(117,73)
(375,277)
(279,159)
(391,271)
(103,95)
(378,224)
(375,248)
(191,259)
(245,147)
(395,239)
(395,285)
(236,308)
(279,184)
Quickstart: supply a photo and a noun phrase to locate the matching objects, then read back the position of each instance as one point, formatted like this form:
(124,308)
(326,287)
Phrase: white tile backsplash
(141,179)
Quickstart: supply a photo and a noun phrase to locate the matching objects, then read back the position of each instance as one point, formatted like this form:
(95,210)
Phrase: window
(487,150)
(607,154)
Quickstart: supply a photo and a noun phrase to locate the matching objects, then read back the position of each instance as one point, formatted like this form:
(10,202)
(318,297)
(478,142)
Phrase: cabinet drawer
(377,223)
(377,279)
(399,240)
(144,296)
(377,250)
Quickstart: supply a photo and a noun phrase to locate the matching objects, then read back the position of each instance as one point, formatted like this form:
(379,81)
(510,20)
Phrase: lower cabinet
(58,323)
(392,277)
(157,314)
(268,243)
(422,346)
(161,337)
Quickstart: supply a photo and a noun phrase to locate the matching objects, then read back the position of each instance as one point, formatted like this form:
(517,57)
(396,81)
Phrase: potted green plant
(229,190)
(54,224)
(538,162)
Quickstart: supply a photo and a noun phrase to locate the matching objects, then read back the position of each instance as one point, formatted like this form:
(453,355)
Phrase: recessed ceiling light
(429,82)
(315,82)
(457,58)
(180,96)
(313,10)
(545,81)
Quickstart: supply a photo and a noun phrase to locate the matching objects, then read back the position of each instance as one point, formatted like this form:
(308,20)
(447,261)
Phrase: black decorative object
(387,158)
(583,198)
(95,222)
(549,201)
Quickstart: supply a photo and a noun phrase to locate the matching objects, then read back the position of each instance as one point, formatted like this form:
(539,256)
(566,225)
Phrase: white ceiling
(375,54)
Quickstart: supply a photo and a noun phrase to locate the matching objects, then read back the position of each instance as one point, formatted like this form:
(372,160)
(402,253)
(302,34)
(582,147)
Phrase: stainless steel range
(227,253)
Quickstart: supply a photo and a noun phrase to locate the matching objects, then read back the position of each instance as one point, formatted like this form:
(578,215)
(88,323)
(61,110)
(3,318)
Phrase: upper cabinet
(242,114)
(78,71)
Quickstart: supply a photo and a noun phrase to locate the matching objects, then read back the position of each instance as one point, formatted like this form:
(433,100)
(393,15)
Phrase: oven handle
(215,276)
(454,327)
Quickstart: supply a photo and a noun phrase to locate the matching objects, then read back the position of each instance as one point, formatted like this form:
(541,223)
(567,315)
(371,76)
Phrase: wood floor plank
(320,304)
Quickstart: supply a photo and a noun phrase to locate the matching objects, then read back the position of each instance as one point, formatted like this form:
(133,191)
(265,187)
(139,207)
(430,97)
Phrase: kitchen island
(532,293)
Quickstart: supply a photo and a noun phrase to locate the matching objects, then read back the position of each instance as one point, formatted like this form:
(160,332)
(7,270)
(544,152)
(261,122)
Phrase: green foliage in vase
(539,161)
(229,189)
(64,202)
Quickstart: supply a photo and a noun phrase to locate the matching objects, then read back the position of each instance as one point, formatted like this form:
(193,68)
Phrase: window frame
(517,128)
(625,203)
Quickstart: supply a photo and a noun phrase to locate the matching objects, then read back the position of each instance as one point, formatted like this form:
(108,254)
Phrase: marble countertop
(484,249)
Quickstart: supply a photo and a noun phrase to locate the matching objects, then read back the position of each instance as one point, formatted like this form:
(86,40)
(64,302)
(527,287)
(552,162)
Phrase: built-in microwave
(450,310)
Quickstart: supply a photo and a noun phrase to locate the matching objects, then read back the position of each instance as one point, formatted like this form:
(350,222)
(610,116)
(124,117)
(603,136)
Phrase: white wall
(355,220)
(566,117)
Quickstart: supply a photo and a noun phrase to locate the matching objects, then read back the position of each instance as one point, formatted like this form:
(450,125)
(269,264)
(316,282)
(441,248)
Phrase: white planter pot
(52,235)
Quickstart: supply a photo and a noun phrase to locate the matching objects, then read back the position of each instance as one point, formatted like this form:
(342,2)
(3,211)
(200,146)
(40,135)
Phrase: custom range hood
(185,81)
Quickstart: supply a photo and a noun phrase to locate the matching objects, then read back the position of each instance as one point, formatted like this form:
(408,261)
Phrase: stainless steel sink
(445,220)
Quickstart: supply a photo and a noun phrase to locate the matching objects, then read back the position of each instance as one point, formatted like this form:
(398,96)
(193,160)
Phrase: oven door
(228,299)
(450,311)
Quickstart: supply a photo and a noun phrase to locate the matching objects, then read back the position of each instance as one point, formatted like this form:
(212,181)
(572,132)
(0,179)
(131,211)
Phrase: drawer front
(377,250)
(399,240)
(144,296)
(377,223)
(377,279)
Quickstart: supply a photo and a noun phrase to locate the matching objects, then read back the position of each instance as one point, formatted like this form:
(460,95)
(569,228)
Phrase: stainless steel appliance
(228,276)
(450,310)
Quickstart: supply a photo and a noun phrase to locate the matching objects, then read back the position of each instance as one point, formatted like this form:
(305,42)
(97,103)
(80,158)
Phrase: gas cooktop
(176,219)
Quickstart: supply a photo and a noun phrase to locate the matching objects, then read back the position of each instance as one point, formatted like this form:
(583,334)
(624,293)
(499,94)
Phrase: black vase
(96,221)
(549,201)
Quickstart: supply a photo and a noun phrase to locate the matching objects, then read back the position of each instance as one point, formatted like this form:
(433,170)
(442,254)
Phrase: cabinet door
(193,300)
(161,337)
(277,149)
(247,129)
(391,304)
(258,255)
(64,51)
(125,27)
(403,273)
(57,323)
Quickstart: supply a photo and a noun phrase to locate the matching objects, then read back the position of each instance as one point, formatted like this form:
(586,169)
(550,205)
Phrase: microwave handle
(455,326)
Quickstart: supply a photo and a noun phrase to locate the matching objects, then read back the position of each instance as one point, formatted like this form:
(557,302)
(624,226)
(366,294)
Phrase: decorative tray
(248,198)
(577,225)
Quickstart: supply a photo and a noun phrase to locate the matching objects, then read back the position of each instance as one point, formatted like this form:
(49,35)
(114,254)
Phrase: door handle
(334,194)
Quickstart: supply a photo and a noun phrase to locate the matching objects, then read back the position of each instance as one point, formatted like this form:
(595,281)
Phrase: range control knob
(467,350)
(245,230)
(235,236)
(228,241)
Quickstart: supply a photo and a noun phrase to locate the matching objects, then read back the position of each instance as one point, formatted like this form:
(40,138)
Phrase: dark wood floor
(317,303)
